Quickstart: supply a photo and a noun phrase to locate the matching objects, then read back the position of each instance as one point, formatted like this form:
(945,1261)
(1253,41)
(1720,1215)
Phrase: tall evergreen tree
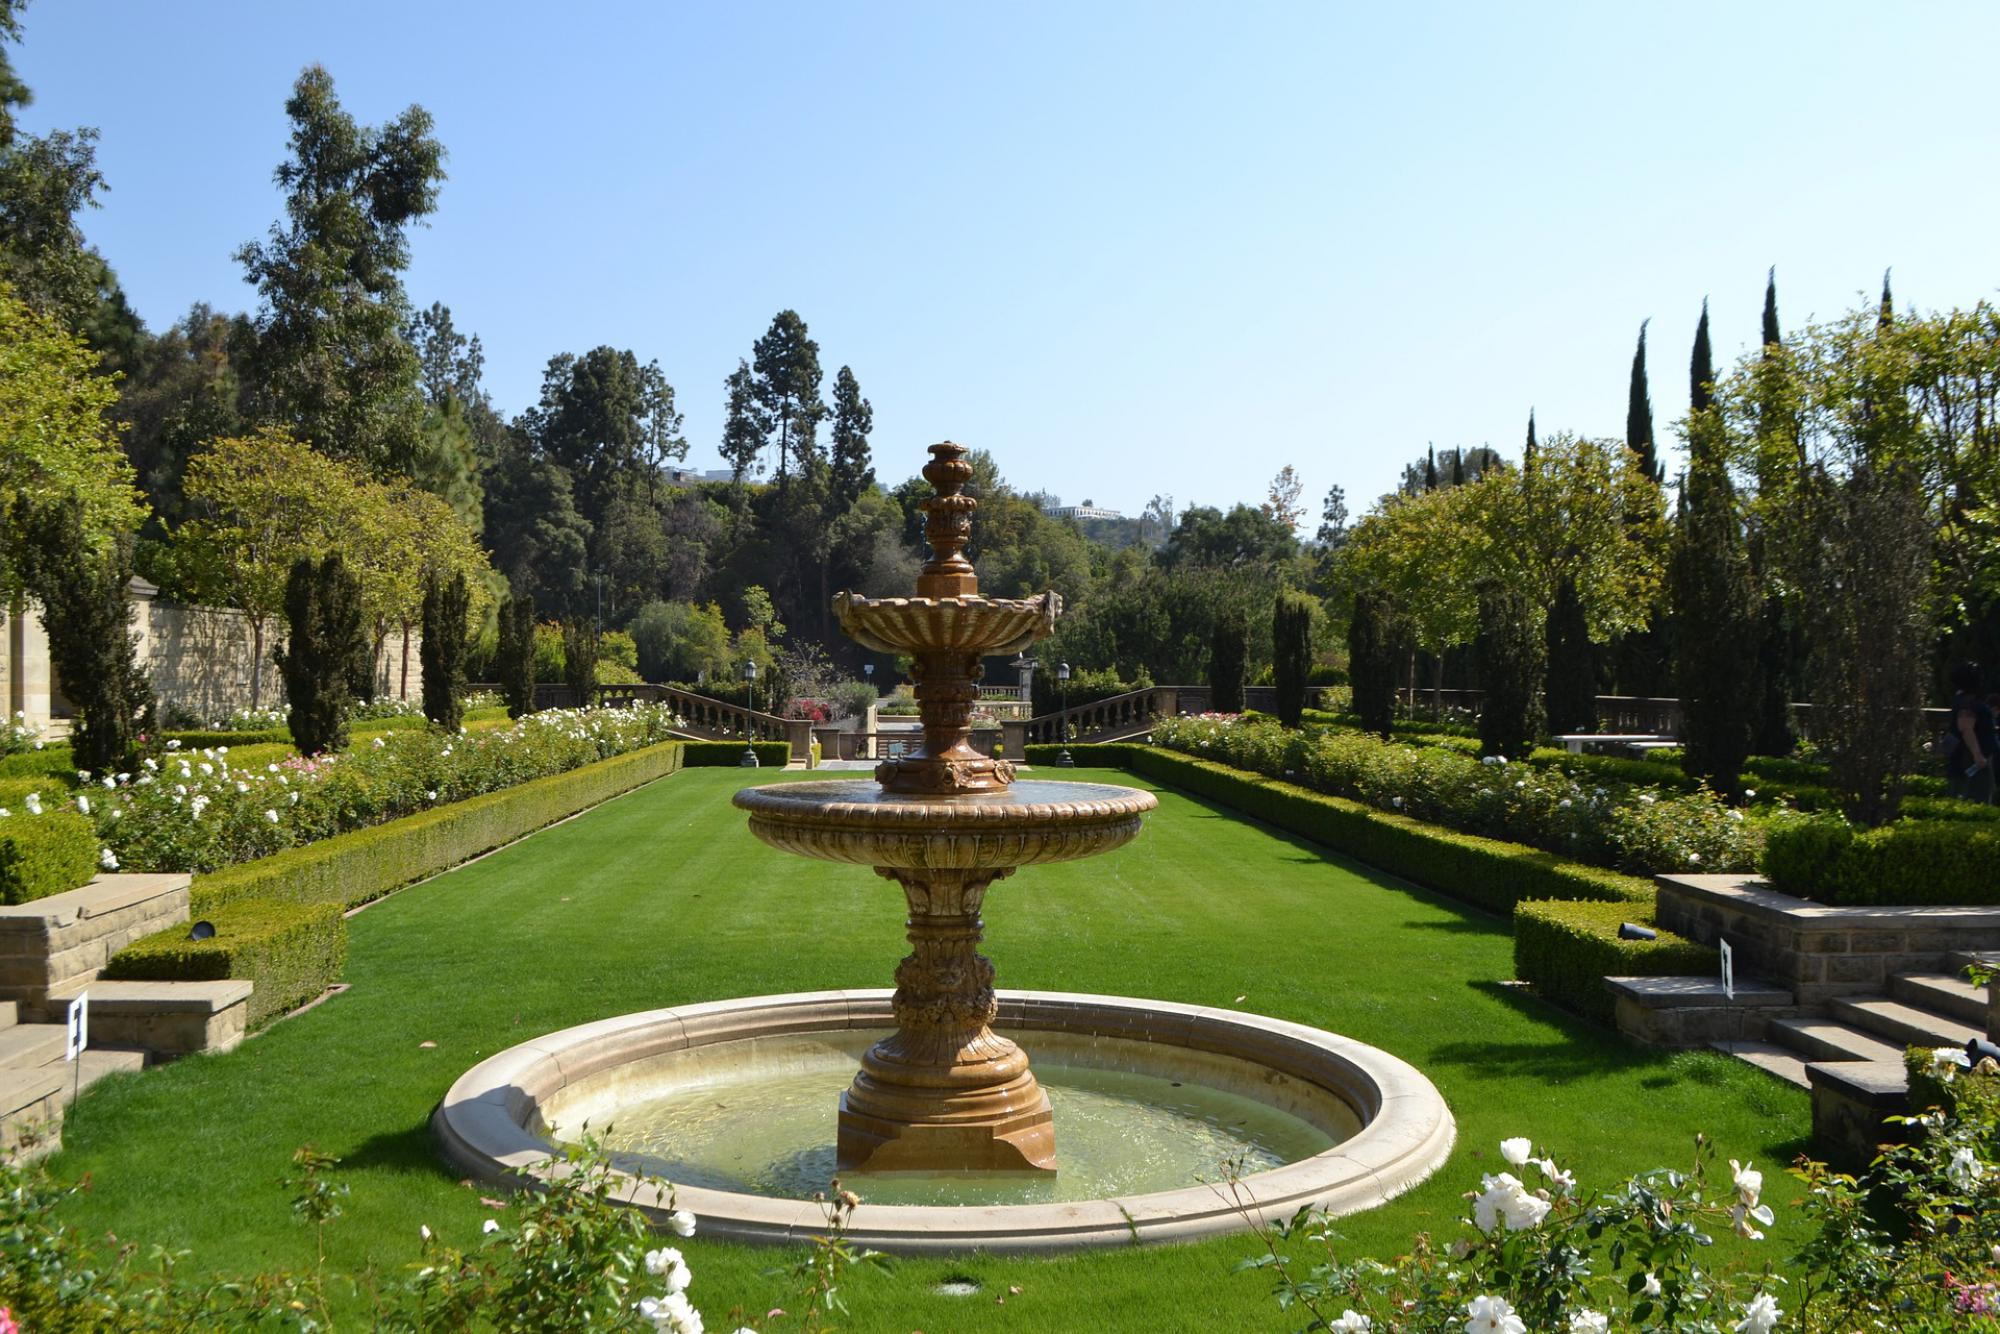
(1528,451)
(1458,467)
(1569,694)
(446,608)
(1773,336)
(1639,415)
(744,426)
(1431,469)
(1509,653)
(1701,367)
(1779,646)
(1371,663)
(325,633)
(786,361)
(1885,316)
(1292,653)
(580,645)
(853,419)
(1229,647)
(1715,605)
(516,664)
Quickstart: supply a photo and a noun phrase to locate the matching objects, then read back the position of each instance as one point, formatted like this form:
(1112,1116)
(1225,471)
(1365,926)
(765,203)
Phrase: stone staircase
(51,951)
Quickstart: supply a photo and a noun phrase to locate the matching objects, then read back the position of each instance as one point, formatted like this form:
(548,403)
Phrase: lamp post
(1064,761)
(749,760)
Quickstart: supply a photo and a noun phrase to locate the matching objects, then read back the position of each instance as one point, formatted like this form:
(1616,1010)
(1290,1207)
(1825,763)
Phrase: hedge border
(352,868)
(1484,872)
(1566,948)
(289,952)
(729,754)
(45,854)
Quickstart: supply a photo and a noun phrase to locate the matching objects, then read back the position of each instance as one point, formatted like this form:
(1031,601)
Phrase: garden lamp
(1064,761)
(749,760)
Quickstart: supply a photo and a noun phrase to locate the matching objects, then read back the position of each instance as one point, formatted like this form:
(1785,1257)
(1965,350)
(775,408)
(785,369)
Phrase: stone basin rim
(862,801)
(487,1126)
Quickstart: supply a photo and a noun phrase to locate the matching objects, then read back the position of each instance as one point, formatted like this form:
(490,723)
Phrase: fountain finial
(946,629)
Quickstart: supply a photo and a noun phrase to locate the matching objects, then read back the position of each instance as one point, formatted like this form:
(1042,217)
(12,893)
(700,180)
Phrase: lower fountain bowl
(1347,1126)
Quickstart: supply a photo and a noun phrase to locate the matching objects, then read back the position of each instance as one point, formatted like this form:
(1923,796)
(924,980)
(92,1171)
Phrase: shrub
(1910,862)
(1085,687)
(355,867)
(291,952)
(446,609)
(51,761)
(1291,652)
(1569,691)
(44,854)
(852,699)
(579,646)
(1567,949)
(1371,661)
(516,662)
(324,640)
(727,754)
(1228,650)
(1509,651)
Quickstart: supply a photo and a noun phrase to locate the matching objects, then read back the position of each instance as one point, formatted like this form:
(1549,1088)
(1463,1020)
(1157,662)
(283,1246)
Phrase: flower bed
(1641,830)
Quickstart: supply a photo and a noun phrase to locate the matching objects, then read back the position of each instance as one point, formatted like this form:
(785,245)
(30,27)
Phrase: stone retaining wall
(1816,952)
(58,944)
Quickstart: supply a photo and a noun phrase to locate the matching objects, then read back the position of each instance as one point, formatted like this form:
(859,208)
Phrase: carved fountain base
(945,1092)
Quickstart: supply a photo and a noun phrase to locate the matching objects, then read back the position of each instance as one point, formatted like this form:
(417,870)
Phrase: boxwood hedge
(1567,948)
(290,952)
(45,854)
(1910,862)
(728,754)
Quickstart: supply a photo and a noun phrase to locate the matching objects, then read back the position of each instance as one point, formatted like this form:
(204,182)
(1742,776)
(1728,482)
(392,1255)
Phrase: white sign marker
(79,1027)
(1728,971)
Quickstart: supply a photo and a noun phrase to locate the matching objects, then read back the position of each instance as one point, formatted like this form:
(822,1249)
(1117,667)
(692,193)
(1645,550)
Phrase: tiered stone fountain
(734,1099)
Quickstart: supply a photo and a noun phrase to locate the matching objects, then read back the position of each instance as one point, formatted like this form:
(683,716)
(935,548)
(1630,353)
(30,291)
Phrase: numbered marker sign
(1728,971)
(79,1027)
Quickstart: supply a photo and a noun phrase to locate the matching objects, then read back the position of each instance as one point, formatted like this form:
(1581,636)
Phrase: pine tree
(1701,367)
(1715,604)
(86,613)
(853,419)
(1229,646)
(1292,653)
(1639,415)
(1509,655)
(1371,664)
(325,632)
(1570,693)
(517,655)
(787,389)
(445,642)
(745,426)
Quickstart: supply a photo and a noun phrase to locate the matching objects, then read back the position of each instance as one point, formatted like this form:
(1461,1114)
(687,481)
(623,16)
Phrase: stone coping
(1659,993)
(104,894)
(1753,896)
(200,997)
(488,1124)
(1879,1084)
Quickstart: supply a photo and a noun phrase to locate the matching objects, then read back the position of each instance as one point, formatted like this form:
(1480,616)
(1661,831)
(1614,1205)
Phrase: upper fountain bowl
(971,624)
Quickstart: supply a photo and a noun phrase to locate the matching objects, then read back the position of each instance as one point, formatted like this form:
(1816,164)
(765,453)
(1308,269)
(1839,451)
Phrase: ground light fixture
(1633,931)
(203,930)
(749,760)
(1064,760)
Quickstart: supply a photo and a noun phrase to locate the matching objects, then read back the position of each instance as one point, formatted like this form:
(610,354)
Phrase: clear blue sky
(1128,248)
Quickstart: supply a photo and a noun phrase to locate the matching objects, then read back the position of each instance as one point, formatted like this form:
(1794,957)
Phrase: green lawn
(662,897)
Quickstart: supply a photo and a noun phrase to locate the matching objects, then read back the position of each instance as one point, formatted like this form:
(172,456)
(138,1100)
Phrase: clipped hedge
(1908,863)
(1567,948)
(1484,872)
(352,868)
(729,754)
(50,761)
(290,952)
(45,854)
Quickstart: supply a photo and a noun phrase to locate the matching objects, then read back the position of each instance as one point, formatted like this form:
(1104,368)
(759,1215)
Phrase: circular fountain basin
(734,1102)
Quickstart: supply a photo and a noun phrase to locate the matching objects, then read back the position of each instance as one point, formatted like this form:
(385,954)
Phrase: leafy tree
(1228,649)
(1569,691)
(1292,653)
(1244,536)
(1466,465)
(1509,653)
(185,389)
(786,389)
(745,427)
(1423,553)
(324,639)
(606,421)
(446,612)
(680,641)
(1372,659)
(533,523)
(1639,416)
(259,504)
(78,579)
(516,659)
(853,419)
(1715,604)
(1282,504)
(331,360)
(580,646)
(55,439)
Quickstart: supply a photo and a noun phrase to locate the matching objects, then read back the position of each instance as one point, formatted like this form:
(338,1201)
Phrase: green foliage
(1509,652)
(1909,862)
(352,868)
(1372,655)
(49,853)
(446,613)
(579,646)
(88,616)
(1717,614)
(516,659)
(1567,949)
(325,641)
(291,952)
(1229,647)
(1086,686)
(681,641)
(786,388)
(1569,691)
(1292,652)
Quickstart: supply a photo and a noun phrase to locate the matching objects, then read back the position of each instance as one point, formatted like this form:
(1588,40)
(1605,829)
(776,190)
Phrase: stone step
(97,1062)
(26,1046)
(31,1103)
(1828,1040)
(1905,1024)
(166,1019)
(1943,993)
(1769,1057)
(1963,959)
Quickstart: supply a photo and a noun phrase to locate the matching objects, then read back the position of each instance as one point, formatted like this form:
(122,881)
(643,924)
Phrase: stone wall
(1816,952)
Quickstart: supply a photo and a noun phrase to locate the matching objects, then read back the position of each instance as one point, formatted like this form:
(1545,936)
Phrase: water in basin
(759,1116)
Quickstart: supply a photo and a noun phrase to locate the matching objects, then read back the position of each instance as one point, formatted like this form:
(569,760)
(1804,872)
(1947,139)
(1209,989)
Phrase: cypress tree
(1885,316)
(87,616)
(1292,652)
(1371,663)
(1778,645)
(1639,415)
(1715,604)
(1229,647)
(1570,692)
(580,658)
(517,655)
(1528,453)
(1458,466)
(1772,336)
(1509,653)
(1431,469)
(324,633)
(1701,367)
(444,646)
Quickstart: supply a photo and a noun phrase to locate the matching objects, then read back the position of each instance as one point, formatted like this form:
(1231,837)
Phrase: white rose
(1516,1151)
